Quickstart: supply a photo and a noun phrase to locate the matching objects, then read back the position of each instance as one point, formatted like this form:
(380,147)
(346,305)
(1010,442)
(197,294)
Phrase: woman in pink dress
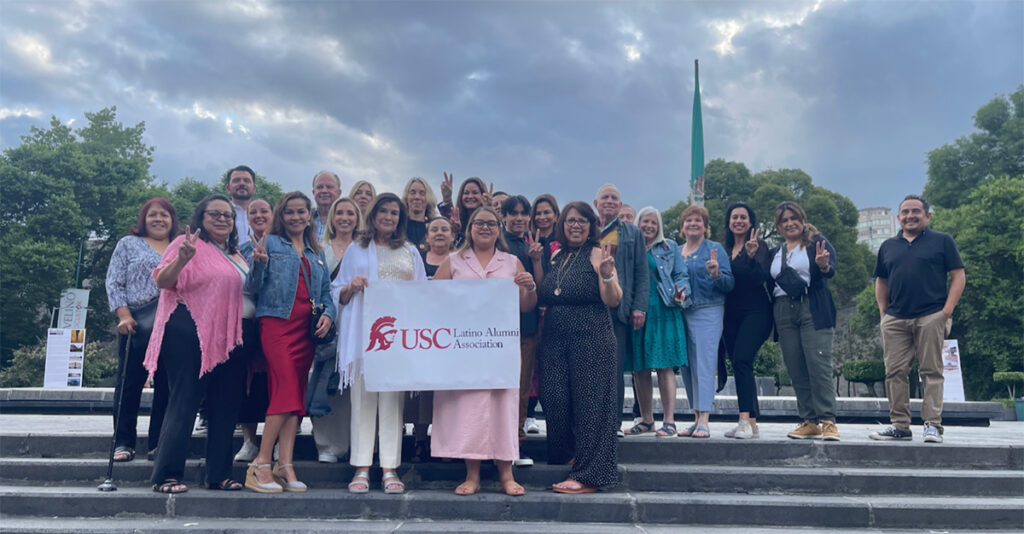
(482,424)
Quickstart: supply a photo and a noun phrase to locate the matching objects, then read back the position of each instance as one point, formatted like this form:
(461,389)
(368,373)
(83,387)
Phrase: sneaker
(806,430)
(327,458)
(531,426)
(247,453)
(891,433)
(932,434)
(201,426)
(620,434)
(523,461)
(829,431)
(744,431)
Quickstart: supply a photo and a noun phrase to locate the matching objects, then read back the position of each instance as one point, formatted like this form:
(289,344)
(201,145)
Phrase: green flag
(696,145)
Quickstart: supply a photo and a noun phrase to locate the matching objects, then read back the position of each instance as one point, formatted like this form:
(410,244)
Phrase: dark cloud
(536,96)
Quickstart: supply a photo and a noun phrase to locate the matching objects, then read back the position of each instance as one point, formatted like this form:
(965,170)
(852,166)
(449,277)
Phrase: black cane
(122,356)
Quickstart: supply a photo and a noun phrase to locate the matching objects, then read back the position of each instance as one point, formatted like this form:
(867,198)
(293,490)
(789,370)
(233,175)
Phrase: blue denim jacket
(273,283)
(707,291)
(671,272)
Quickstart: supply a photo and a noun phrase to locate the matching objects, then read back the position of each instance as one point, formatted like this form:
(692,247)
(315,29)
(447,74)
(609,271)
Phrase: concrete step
(644,449)
(620,507)
(634,477)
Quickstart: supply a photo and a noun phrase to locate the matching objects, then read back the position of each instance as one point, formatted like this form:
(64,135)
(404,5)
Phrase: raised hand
(752,245)
(187,249)
(607,266)
(536,251)
(455,220)
(446,187)
(821,256)
(487,195)
(712,264)
(259,248)
(525,281)
(678,295)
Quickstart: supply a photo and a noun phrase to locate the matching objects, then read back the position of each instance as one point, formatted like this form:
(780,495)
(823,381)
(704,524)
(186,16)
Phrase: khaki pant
(527,350)
(902,341)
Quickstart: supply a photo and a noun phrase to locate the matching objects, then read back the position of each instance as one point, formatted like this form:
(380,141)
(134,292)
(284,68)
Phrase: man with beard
(630,252)
(241,186)
(917,311)
(326,189)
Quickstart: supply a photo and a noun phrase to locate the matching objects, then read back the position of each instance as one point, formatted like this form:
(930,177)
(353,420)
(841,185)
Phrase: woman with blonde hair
(363,193)
(420,201)
(805,317)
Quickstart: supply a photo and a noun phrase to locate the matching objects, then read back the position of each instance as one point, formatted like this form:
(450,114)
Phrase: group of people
(253,314)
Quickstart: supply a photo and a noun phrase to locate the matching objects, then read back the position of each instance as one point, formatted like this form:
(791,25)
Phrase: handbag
(317,311)
(144,316)
(789,280)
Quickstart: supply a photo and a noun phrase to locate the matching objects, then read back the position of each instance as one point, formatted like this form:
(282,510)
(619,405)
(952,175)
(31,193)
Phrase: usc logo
(382,336)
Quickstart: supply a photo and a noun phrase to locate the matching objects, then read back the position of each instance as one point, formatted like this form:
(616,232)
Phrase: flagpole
(696,143)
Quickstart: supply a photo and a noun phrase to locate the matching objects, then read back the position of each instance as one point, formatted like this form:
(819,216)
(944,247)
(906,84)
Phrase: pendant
(558,291)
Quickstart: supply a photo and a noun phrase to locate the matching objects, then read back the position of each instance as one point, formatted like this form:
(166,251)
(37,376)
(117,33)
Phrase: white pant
(367,406)
(331,432)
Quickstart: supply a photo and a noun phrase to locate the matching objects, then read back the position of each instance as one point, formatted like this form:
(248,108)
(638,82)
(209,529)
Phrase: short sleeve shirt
(916,271)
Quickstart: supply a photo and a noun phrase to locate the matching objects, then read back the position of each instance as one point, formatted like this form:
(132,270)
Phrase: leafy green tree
(989,231)
(996,150)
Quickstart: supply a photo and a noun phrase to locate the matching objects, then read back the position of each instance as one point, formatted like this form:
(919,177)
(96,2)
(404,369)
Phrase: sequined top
(395,264)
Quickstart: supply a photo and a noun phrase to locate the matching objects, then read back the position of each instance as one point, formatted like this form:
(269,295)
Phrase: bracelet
(532,289)
(609,279)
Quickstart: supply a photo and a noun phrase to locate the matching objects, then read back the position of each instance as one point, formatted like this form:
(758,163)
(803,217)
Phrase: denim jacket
(708,291)
(671,272)
(273,283)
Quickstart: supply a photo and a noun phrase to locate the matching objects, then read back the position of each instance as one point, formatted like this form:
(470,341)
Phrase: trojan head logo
(382,334)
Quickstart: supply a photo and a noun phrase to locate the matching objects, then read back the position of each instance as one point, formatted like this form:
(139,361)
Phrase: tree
(989,232)
(996,150)
(832,213)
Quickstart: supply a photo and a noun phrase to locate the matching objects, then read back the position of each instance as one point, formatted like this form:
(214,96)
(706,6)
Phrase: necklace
(561,271)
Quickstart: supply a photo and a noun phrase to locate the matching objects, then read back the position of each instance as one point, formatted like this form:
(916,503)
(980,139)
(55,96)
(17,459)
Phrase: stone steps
(821,511)
(634,477)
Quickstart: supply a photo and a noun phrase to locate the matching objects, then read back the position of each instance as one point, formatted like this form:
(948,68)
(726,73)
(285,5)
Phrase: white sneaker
(327,458)
(247,453)
(531,426)
(743,430)
(523,461)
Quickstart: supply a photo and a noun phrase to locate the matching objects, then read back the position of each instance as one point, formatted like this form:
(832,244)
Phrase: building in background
(874,226)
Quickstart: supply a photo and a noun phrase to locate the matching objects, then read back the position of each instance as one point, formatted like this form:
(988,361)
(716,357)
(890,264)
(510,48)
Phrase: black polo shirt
(528,321)
(916,271)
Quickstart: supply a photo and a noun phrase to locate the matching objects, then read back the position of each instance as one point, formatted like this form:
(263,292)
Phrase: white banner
(441,334)
(65,357)
(953,387)
(73,305)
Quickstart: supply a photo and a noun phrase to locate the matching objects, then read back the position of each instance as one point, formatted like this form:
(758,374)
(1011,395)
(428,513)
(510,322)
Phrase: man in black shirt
(917,311)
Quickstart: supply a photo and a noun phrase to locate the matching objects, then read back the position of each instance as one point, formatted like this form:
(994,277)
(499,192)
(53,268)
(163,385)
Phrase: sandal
(170,485)
(124,454)
(391,479)
(641,428)
(688,431)
(227,484)
(667,430)
(701,428)
(575,489)
(360,482)
(467,488)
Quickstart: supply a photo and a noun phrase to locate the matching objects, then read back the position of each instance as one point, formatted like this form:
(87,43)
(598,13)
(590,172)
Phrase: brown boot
(806,430)
(829,431)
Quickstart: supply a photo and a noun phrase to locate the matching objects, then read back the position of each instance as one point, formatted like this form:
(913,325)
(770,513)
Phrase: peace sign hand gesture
(821,256)
(678,295)
(455,220)
(712,264)
(752,245)
(259,248)
(607,266)
(446,187)
(487,195)
(536,251)
(187,249)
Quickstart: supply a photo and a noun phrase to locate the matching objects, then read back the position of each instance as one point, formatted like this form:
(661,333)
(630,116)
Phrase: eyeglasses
(577,222)
(485,224)
(221,215)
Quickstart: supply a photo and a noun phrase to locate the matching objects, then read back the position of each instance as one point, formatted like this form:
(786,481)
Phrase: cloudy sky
(537,97)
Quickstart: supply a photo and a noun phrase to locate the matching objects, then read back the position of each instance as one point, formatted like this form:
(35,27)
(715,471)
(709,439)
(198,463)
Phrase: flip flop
(168,485)
(583,488)
(688,431)
(701,428)
(124,454)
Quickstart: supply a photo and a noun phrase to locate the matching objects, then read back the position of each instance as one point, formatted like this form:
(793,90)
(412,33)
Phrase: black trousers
(743,334)
(223,386)
(130,396)
(623,352)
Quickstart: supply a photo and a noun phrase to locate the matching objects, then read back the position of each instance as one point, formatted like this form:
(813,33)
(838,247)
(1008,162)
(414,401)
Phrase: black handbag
(789,280)
(317,312)
(145,317)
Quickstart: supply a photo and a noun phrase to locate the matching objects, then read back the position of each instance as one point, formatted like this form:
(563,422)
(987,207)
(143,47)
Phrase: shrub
(27,366)
(1010,379)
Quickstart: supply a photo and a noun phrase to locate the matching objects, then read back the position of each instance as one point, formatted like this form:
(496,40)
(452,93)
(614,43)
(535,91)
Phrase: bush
(27,366)
(768,360)
(864,371)
(1010,379)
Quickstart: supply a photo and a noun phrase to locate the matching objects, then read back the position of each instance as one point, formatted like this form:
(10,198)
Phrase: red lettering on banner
(405,344)
(437,344)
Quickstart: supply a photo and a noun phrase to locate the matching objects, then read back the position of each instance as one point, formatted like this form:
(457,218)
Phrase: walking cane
(122,356)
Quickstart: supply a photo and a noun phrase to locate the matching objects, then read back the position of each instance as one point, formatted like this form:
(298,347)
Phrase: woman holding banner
(577,354)
(482,424)
(382,253)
